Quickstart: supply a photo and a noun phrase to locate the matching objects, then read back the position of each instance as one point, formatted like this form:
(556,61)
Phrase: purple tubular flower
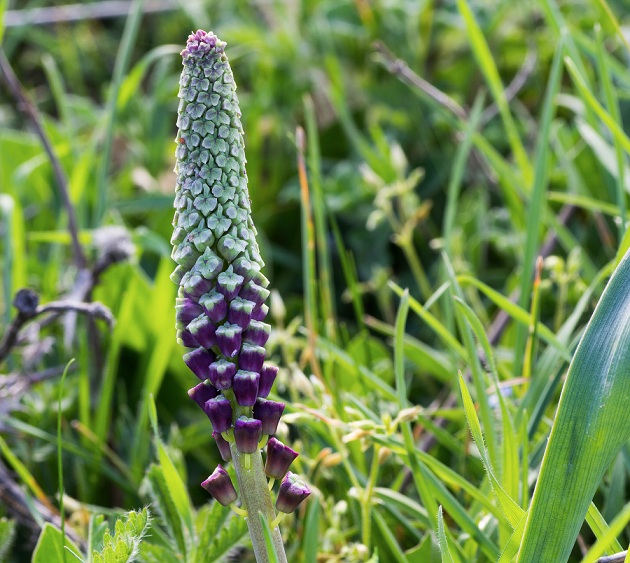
(220,486)
(202,392)
(229,284)
(229,339)
(254,292)
(203,330)
(215,305)
(186,339)
(240,312)
(223,445)
(247,434)
(252,357)
(186,310)
(292,492)
(279,459)
(260,313)
(194,284)
(257,333)
(246,268)
(221,374)
(198,361)
(269,413)
(245,385)
(219,411)
(267,377)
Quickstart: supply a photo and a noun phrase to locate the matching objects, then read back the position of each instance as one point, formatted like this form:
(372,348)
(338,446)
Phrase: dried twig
(78,12)
(523,74)
(615,558)
(28,108)
(26,302)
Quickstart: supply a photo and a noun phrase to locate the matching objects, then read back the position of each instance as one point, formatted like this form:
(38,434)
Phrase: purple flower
(229,339)
(260,313)
(223,445)
(252,357)
(267,377)
(254,292)
(186,310)
(198,361)
(279,458)
(221,374)
(215,305)
(245,385)
(202,392)
(292,492)
(194,284)
(229,284)
(219,411)
(203,330)
(257,333)
(186,339)
(220,486)
(269,413)
(240,312)
(247,434)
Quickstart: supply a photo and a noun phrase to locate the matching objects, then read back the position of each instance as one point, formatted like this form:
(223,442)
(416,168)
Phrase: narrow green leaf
(442,541)
(7,535)
(591,425)
(606,536)
(489,69)
(271,549)
(516,312)
(389,538)
(513,512)
(536,206)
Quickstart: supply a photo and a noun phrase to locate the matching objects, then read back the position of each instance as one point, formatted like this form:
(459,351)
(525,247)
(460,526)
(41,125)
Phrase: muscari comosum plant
(221,306)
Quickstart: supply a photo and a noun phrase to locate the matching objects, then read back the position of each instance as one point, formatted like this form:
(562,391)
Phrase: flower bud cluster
(221,304)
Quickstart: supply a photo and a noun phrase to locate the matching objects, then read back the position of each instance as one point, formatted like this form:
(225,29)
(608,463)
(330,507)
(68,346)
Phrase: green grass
(396,230)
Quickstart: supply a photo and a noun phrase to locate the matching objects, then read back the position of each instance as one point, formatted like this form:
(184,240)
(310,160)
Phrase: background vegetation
(447,145)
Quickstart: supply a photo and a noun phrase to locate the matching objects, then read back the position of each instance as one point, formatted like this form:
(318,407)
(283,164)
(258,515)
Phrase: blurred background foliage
(381,157)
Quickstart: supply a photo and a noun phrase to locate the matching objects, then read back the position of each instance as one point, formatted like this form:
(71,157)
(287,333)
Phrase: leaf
(591,425)
(50,547)
(311,532)
(442,541)
(163,500)
(7,535)
(225,540)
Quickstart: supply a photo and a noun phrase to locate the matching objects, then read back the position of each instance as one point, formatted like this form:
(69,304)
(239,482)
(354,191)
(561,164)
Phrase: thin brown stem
(28,108)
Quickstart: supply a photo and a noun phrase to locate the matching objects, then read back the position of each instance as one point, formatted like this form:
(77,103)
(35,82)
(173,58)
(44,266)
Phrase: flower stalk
(221,303)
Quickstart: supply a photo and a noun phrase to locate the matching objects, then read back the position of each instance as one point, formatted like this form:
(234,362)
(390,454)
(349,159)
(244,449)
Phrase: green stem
(367,498)
(255,497)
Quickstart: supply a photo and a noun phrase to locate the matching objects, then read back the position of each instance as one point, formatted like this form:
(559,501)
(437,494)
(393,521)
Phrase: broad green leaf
(591,425)
(50,547)
(311,532)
